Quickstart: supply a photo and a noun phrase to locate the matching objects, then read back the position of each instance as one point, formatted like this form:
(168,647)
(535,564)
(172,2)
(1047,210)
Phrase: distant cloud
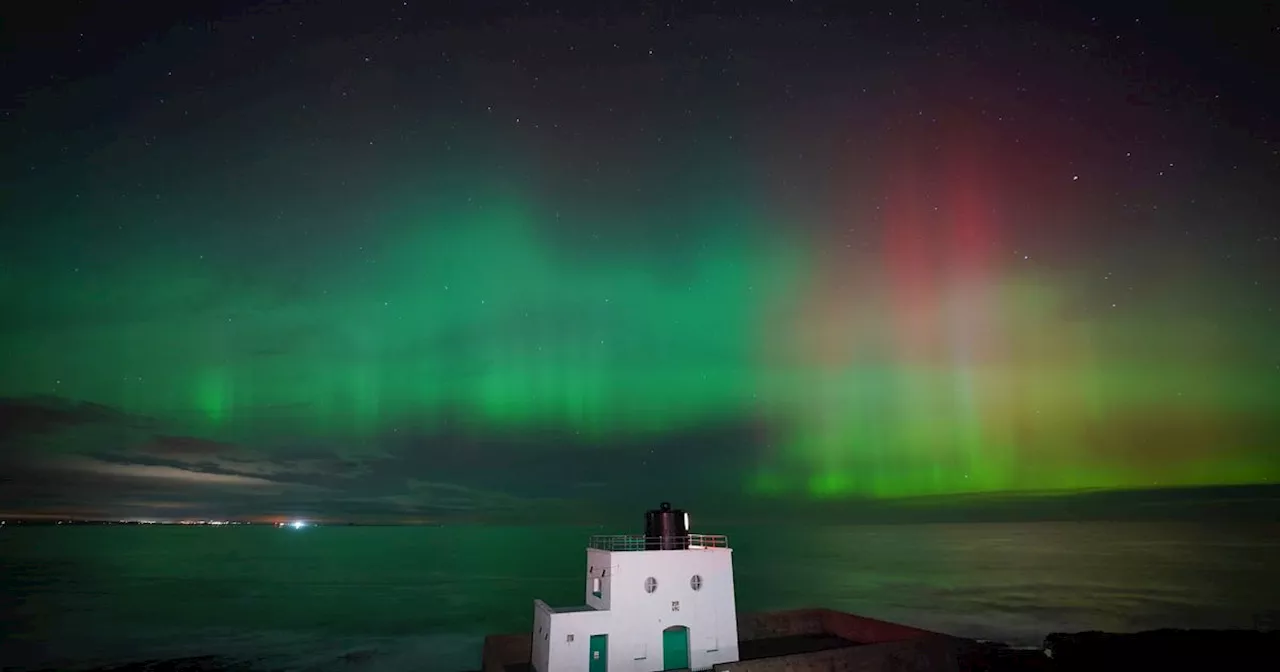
(184,446)
(165,473)
(38,415)
(75,458)
(455,496)
(69,458)
(429,500)
(66,458)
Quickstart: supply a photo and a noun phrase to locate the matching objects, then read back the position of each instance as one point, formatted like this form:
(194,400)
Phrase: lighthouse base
(802,639)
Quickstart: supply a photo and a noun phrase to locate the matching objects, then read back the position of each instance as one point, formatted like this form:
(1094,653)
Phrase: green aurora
(472,312)
(821,262)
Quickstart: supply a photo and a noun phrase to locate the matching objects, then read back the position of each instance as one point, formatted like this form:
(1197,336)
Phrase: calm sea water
(402,598)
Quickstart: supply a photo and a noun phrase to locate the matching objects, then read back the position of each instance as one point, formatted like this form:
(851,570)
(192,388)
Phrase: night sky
(383,261)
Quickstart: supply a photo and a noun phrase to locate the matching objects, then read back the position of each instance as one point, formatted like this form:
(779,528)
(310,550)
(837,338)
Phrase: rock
(1165,649)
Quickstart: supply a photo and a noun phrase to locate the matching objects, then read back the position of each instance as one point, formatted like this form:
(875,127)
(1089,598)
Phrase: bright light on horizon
(298,524)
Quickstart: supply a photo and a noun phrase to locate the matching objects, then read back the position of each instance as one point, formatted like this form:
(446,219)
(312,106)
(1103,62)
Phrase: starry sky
(390,261)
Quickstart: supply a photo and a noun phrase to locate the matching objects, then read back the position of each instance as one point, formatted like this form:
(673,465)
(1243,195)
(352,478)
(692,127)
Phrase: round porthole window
(650,585)
(695,582)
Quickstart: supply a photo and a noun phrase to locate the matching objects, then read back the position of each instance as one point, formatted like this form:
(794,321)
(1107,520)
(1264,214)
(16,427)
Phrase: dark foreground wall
(875,645)
(504,652)
(1165,650)
(856,629)
(933,654)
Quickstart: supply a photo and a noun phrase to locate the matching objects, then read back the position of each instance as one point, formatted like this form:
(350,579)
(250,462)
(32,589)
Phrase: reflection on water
(1019,581)
(398,596)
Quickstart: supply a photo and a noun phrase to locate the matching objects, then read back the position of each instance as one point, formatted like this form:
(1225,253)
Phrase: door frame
(688,652)
(603,665)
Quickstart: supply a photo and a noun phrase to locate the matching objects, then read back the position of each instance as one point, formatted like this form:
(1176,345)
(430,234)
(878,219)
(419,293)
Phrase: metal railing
(635,542)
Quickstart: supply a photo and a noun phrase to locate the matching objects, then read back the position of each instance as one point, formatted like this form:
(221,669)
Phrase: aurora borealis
(394,263)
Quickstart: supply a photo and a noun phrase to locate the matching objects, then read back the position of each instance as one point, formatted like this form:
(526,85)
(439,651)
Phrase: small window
(650,585)
(695,582)
(568,637)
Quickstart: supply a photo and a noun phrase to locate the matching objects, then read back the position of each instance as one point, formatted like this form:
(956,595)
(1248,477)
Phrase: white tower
(661,601)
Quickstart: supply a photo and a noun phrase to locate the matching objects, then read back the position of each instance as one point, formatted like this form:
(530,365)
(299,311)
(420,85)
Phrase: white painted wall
(634,619)
(599,566)
(574,656)
(709,613)
(540,646)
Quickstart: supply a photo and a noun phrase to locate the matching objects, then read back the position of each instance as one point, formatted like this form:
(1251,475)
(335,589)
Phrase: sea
(387,599)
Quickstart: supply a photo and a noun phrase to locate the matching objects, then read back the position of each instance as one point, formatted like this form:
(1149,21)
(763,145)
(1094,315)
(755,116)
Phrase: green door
(599,653)
(675,648)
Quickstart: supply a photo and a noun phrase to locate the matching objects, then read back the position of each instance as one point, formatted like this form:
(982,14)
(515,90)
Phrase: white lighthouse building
(661,601)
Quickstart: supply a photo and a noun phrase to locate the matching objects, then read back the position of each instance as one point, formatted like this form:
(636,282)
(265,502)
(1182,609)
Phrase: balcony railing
(635,542)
